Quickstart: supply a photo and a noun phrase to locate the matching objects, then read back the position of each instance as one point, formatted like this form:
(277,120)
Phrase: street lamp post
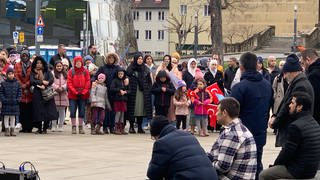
(37,14)
(195,48)
(294,47)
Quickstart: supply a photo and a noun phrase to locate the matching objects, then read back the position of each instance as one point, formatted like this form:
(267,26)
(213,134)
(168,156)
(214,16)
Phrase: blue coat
(254,94)
(178,155)
(10,94)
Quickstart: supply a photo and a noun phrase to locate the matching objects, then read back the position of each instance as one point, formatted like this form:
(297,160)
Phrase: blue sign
(15,34)
(40,30)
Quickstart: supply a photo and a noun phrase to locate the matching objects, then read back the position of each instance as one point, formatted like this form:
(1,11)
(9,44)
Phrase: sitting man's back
(234,154)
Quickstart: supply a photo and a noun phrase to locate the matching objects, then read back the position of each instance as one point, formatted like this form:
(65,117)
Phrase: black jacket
(56,58)
(301,152)
(117,85)
(178,155)
(188,78)
(10,94)
(282,121)
(229,74)
(208,76)
(162,98)
(313,75)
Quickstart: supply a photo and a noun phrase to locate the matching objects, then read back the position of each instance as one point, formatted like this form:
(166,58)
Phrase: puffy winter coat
(203,98)
(313,74)
(162,98)
(61,99)
(10,94)
(178,155)
(117,85)
(99,96)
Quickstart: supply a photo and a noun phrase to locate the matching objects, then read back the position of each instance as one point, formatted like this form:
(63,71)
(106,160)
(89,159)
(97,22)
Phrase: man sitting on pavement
(177,154)
(300,155)
(234,153)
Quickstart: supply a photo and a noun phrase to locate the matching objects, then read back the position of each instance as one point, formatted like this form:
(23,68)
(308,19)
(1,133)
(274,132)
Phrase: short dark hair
(249,61)
(231,105)
(90,46)
(309,53)
(60,46)
(303,99)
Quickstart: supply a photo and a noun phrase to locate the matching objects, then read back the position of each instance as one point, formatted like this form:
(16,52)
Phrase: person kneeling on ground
(177,154)
(300,155)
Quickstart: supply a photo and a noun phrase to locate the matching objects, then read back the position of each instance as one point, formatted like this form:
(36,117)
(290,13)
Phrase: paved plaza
(60,155)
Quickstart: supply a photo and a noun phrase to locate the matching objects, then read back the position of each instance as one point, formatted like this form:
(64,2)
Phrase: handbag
(48,93)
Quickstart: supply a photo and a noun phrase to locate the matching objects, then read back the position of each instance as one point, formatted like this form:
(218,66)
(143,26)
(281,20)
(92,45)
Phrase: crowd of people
(247,97)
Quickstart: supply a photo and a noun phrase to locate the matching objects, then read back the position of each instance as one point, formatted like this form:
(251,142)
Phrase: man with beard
(98,60)
(311,62)
(230,72)
(22,71)
(300,155)
(58,57)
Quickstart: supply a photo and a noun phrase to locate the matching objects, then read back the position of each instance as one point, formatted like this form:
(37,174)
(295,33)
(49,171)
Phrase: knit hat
(157,124)
(181,83)
(92,67)
(292,64)
(102,76)
(25,51)
(88,57)
(65,61)
(260,60)
(198,74)
(9,70)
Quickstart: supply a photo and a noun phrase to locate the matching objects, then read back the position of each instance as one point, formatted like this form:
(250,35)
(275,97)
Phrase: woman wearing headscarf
(188,76)
(43,111)
(139,98)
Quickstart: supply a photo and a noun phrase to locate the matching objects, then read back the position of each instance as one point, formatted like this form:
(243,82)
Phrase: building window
(161,35)
(136,33)
(183,10)
(159,53)
(146,52)
(136,15)
(148,35)
(161,15)
(148,15)
(206,10)
(157,1)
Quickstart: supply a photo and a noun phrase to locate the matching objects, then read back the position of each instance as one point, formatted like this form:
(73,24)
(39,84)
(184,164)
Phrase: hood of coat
(78,59)
(314,66)
(160,74)
(115,57)
(121,70)
(252,76)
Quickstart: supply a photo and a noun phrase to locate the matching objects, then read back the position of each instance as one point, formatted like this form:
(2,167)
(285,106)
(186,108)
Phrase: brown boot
(81,131)
(98,130)
(74,130)
(118,130)
(6,132)
(122,129)
(12,133)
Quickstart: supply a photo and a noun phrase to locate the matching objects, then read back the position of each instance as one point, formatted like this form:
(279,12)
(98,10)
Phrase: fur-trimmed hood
(115,56)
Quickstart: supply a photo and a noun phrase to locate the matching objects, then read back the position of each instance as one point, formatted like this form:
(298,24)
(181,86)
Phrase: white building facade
(150,24)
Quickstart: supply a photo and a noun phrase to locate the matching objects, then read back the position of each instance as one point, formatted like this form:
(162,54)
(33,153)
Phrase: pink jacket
(203,98)
(182,106)
(61,99)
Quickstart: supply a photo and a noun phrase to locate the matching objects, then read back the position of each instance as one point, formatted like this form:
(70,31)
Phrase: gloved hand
(79,96)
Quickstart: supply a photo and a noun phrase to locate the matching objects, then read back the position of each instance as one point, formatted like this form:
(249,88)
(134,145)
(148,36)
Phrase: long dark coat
(42,110)
(313,74)
(133,84)
(10,94)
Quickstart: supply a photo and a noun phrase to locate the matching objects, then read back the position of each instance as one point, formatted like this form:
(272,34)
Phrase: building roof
(151,4)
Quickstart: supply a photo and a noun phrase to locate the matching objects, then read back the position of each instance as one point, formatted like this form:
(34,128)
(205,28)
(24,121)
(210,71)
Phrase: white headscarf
(213,72)
(190,70)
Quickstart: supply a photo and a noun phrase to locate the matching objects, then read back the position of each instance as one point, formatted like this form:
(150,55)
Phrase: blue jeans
(79,104)
(109,120)
(259,160)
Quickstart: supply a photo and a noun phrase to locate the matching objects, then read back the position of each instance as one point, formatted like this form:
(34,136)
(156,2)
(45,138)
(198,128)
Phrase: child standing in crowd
(181,103)
(162,89)
(99,102)
(10,94)
(119,89)
(202,98)
(61,99)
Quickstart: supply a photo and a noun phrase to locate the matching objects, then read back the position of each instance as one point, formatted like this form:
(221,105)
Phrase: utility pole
(37,10)
(196,29)
(294,48)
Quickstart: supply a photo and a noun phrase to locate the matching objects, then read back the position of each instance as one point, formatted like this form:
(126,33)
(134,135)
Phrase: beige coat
(182,106)
(278,93)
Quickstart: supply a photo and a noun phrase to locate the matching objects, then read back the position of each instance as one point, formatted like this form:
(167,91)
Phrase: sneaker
(60,129)
(53,129)
(88,126)
(18,126)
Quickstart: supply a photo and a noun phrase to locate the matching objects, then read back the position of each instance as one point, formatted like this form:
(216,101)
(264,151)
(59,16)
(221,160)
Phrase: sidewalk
(62,156)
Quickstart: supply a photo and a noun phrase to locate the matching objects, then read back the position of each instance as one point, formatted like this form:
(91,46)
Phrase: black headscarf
(140,69)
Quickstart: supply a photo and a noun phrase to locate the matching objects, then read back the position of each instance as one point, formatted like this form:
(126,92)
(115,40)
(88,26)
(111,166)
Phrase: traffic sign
(40,22)
(15,34)
(21,37)
(39,38)
(40,30)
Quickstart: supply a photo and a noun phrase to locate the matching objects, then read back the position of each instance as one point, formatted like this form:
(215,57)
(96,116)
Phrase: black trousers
(181,119)
(162,110)
(25,117)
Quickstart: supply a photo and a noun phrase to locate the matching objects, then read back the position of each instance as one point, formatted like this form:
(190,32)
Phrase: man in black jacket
(59,56)
(230,72)
(177,154)
(300,155)
(311,62)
